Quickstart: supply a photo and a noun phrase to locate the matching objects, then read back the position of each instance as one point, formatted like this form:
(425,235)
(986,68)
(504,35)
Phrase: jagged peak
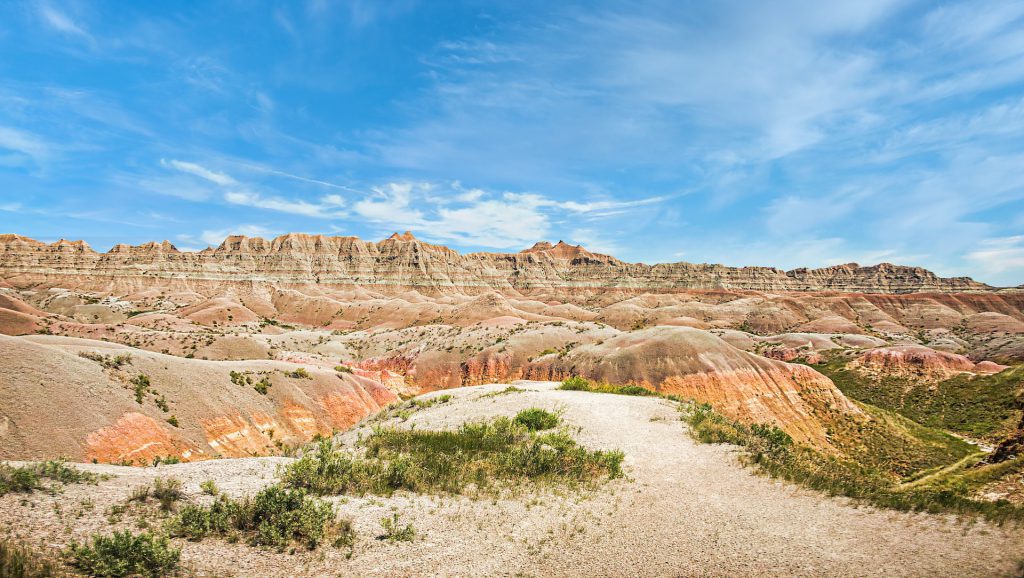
(406,236)
(538,247)
(79,245)
(561,250)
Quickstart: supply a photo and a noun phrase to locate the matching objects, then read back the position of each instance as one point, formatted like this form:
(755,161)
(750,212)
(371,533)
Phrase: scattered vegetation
(536,419)
(29,478)
(577,383)
(239,378)
(107,361)
(506,391)
(19,561)
(394,531)
(125,554)
(425,403)
(876,473)
(275,517)
(980,406)
(478,455)
(299,373)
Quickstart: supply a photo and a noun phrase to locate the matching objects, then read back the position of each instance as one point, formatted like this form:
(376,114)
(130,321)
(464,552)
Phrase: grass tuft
(29,478)
(481,456)
(19,561)
(537,419)
(395,531)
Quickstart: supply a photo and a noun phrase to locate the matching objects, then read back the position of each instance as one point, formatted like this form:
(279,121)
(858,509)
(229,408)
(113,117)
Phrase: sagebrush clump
(275,517)
(125,554)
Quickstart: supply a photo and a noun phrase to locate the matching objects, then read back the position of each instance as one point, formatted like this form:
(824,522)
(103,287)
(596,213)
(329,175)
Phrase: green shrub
(141,384)
(125,554)
(19,561)
(477,454)
(536,419)
(342,369)
(394,531)
(28,478)
(263,385)
(299,373)
(240,378)
(575,383)
(168,492)
(209,487)
(161,402)
(173,421)
(276,517)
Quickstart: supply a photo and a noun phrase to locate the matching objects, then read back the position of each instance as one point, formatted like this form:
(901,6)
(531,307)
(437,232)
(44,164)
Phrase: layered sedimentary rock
(697,365)
(55,402)
(921,362)
(403,262)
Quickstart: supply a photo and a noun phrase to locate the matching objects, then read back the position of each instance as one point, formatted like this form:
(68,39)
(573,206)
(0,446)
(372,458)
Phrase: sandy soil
(685,510)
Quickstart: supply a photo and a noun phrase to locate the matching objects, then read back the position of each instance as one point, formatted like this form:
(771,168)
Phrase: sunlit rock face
(402,261)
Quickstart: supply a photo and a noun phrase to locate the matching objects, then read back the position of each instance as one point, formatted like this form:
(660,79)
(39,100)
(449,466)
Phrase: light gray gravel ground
(686,510)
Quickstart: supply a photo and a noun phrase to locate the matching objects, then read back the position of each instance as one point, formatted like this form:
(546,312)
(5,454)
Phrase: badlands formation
(402,317)
(252,349)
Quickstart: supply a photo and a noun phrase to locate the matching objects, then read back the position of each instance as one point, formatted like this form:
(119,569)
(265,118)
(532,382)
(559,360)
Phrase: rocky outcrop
(920,362)
(402,262)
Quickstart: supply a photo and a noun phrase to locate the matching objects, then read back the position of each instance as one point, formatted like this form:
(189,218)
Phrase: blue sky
(803,133)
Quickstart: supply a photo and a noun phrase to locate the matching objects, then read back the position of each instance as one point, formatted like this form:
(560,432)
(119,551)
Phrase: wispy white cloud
(598,208)
(200,171)
(60,21)
(476,217)
(1000,255)
(328,207)
(280,173)
(25,143)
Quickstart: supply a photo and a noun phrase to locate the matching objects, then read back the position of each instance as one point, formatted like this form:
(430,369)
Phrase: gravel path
(686,510)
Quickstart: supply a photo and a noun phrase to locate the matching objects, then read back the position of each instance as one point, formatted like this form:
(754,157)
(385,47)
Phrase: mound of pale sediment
(993,322)
(55,403)
(919,361)
(18,323)
(831,324)
(221,311)
(696,364)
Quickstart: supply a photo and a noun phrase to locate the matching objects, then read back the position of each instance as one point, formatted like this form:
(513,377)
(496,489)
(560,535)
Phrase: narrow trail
(942,471)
